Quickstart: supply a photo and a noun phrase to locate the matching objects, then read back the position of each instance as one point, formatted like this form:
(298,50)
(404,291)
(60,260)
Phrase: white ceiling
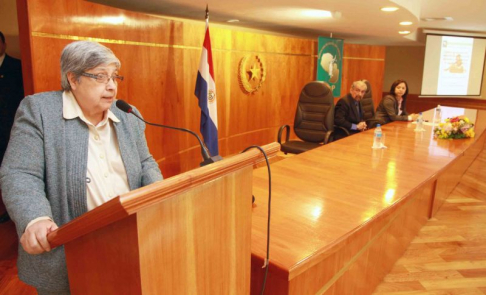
(356,21)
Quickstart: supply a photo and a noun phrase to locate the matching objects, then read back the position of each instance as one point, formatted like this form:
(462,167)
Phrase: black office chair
(369,108)
(367,102)
(314,119)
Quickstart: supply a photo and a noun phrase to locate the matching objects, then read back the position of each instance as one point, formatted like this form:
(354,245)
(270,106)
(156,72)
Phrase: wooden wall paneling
(160,58)
(46,55)
(370,70)
(274,104)
(364,62)
(364,51)
(82,18)
(160,77)
(25,45)
(417,104)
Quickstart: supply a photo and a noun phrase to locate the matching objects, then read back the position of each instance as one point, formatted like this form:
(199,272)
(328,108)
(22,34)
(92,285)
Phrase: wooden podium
(188,234)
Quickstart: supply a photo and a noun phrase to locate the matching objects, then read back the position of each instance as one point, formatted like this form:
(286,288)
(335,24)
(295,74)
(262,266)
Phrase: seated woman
(392,106)
(69,152)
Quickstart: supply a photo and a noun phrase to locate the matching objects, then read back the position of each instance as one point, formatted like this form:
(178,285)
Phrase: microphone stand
(207,159)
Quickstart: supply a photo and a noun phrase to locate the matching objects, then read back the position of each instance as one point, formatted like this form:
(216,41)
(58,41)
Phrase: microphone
(207,159)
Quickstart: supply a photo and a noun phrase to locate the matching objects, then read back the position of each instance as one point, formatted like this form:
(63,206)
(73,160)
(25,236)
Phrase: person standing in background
(11,93)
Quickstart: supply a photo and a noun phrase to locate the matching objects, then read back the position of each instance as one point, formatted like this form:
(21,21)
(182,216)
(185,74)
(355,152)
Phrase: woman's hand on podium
(34,239)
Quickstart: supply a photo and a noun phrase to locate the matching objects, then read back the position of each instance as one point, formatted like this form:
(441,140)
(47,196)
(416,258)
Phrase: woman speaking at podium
(69,152)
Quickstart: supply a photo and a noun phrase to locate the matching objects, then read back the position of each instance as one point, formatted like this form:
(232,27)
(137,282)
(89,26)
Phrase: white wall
(406,63)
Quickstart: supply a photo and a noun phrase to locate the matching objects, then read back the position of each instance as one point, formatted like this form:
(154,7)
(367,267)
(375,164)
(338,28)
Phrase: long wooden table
(344,213)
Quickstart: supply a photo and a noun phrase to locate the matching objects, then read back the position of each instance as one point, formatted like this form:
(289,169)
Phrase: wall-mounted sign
(329,63)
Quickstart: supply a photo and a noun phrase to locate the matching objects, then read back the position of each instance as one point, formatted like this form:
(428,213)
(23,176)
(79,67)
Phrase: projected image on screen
(453,65)
(455,62)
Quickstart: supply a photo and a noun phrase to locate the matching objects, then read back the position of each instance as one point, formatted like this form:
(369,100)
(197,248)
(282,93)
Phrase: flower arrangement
(455,128)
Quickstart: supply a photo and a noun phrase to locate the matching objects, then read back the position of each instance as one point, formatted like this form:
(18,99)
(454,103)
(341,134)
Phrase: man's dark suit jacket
(346,114)
(11,93)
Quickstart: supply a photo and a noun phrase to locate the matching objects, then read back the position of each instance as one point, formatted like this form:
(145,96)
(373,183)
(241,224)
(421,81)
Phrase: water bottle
(420,123)
(377,137)
(438,114)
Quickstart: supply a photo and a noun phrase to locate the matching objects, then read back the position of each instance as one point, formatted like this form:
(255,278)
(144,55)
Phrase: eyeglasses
(102,78)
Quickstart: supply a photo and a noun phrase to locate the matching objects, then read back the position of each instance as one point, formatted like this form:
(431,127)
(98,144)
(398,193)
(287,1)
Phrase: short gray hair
(359,83)
(80,56)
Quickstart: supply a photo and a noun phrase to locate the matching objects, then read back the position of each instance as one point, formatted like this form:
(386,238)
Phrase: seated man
(348,113)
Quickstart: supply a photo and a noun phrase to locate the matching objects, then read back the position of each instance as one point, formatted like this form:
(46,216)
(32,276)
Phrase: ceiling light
(431,19)
(403,32)
(389,9)
(233,20)
(406,23)
(317,13)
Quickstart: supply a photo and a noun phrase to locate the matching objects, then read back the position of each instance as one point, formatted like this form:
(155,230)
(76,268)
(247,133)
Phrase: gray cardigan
(44,174)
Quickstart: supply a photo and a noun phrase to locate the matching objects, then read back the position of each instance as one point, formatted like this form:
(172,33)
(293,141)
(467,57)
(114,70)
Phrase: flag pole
(205,91)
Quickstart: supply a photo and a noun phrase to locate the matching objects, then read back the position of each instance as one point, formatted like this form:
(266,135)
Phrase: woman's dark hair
(395,84)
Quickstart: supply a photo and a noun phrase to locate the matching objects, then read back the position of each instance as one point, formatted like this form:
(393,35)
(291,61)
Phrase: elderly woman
(70,151)
(392,106)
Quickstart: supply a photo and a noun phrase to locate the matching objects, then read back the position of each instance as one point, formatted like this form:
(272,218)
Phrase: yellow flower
(461,126)
(470,133)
